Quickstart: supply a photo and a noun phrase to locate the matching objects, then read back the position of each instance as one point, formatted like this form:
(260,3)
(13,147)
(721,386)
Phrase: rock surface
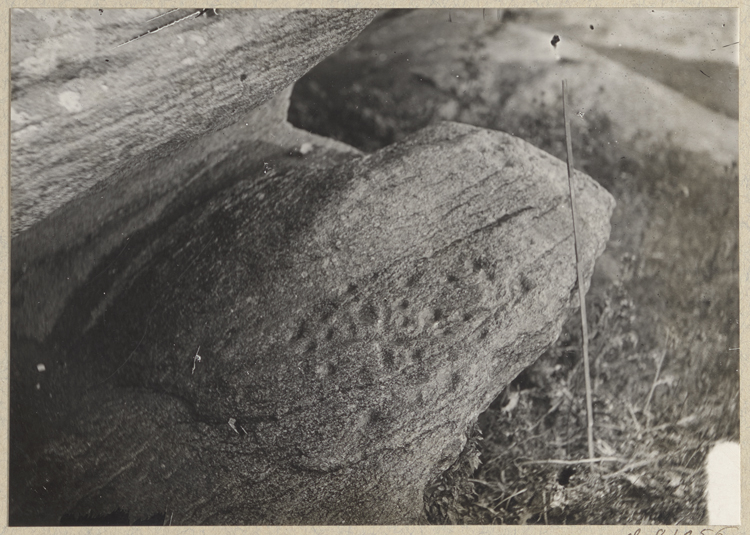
(94,109)
(60,254)
(250,323)
(162,132)
(353,316)
(667,283)
(472,72)
(677,33)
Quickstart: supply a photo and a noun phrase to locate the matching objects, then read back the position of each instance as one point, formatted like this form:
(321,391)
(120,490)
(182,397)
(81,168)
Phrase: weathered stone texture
(83,108)
(352,319)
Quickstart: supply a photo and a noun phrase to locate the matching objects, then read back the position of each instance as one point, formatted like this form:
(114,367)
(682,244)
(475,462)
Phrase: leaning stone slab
(84,108)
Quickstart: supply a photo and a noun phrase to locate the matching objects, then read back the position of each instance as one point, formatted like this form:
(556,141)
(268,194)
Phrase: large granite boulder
(353,315)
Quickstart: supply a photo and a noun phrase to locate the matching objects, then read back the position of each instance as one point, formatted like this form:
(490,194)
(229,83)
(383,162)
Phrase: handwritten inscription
(678,531)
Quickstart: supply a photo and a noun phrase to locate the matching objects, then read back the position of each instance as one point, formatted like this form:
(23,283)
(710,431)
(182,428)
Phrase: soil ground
(663,320)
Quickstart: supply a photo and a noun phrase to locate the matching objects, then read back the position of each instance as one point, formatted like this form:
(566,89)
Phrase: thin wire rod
(581,295)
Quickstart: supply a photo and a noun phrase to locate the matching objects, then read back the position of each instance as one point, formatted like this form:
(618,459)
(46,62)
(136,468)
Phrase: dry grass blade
(511,497)
(563,462)
(494,485)
(160,28)
(162,15)
(550,411)
(656,379)
(631,466)
(631,411)
(581,296)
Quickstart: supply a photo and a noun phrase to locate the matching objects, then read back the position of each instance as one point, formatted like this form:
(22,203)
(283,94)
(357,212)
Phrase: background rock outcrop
(472,72)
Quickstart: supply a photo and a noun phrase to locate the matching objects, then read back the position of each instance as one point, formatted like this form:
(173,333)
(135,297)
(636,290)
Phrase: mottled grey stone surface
(353,314)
